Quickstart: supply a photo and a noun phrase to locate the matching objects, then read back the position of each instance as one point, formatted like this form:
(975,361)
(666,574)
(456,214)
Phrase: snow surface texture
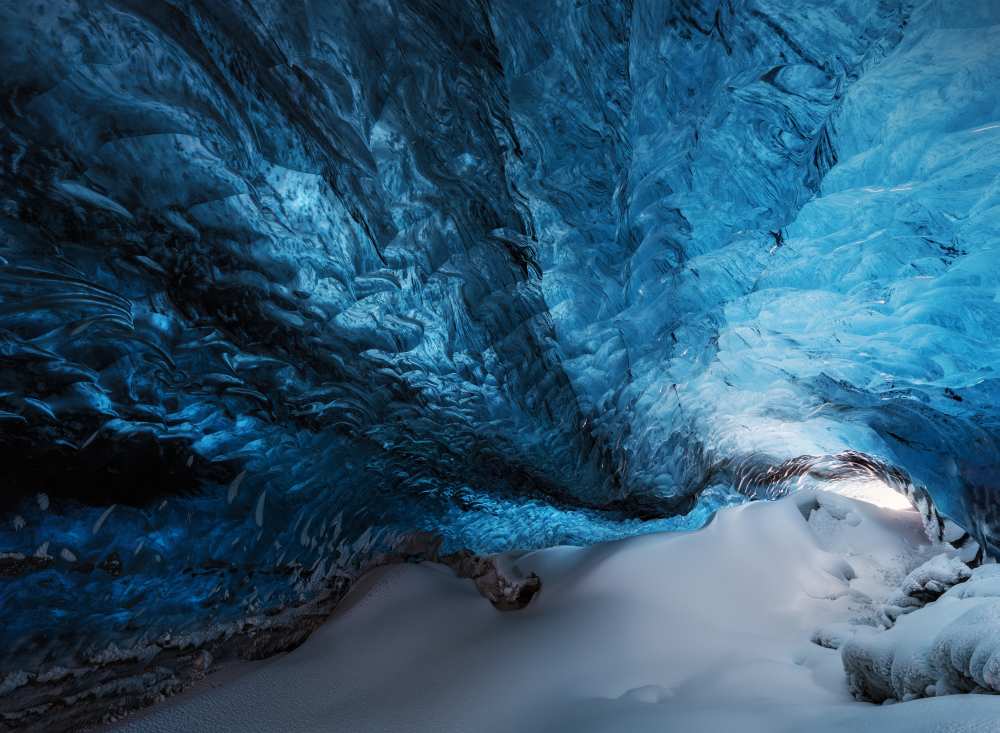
(280,279)
(698,632)
(949,646)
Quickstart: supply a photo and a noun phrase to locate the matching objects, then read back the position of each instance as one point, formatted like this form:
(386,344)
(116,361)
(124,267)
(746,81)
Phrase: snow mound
(949,646)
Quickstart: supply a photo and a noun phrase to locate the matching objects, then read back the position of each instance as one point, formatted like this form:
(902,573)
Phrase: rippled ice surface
(280,281)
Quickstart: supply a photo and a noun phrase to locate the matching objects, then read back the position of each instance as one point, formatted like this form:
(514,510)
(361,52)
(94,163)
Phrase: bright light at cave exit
(874,492)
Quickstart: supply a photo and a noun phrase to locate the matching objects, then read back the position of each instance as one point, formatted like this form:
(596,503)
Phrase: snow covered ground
(704,631)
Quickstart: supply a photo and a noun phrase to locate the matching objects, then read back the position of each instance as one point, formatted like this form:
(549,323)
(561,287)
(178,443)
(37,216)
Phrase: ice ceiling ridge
(280,282)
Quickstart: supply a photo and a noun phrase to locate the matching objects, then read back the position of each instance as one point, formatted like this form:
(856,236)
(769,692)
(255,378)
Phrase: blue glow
(278,286)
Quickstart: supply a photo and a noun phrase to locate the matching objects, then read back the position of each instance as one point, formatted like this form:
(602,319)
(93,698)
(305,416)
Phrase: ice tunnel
(283,283)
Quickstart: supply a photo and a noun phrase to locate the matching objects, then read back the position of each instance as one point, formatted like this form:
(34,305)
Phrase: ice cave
(470,366)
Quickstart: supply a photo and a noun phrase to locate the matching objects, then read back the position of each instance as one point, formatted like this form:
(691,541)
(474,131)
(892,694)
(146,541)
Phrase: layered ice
(279,281)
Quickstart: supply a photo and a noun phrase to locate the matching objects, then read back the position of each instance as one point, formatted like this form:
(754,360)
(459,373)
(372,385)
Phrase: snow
(700,631)
(949,646)
(925,584)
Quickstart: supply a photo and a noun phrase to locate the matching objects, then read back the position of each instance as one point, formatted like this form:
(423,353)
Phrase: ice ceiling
(279,280)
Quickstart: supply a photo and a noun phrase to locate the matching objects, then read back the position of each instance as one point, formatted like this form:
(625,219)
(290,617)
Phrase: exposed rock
(500,584)
(112,565)
(13,564)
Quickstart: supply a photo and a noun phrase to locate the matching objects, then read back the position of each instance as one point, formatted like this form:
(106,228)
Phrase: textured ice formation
(280,280)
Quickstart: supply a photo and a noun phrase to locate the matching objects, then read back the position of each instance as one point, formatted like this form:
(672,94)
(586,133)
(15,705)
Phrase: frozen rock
(924,585)
(946,646)
(496,577)
(499,582)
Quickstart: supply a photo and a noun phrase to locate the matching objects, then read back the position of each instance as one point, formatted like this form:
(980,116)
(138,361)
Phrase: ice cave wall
(768,230)
(282,279)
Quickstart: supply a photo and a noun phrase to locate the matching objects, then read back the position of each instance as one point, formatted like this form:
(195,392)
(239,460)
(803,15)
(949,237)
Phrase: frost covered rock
(950,645)
(835,635)
(924,585)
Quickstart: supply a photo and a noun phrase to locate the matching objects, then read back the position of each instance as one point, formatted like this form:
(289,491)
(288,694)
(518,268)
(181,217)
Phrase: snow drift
(699,632)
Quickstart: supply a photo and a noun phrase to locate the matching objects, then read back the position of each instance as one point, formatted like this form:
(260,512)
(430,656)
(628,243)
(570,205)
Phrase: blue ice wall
(767,230)
(281,280)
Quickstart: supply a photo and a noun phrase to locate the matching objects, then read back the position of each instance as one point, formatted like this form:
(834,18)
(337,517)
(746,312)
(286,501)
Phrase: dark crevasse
(281,281)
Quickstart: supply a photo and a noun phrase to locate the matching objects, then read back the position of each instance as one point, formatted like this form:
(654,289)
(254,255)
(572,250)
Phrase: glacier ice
(279,281)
